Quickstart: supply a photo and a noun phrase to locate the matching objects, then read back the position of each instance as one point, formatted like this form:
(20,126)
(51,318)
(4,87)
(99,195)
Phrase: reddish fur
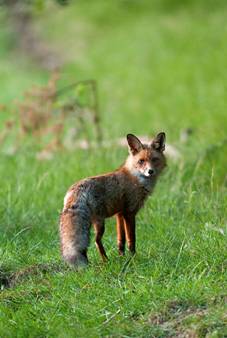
(121,193)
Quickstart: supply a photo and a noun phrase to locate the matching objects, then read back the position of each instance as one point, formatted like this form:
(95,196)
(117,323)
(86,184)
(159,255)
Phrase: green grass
(160,66)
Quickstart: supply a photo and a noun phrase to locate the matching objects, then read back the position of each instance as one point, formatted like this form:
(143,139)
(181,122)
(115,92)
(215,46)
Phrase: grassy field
(159,66)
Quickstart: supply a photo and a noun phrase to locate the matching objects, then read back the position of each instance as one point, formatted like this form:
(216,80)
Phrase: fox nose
(151,172)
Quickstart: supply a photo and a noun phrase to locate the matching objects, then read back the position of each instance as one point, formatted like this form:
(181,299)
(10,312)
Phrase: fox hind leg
(99,232)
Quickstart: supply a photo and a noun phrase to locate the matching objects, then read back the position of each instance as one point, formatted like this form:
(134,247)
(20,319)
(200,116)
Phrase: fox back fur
(121,193)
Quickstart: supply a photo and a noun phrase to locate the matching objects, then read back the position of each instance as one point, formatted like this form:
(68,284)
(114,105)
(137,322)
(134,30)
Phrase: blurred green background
(159,64)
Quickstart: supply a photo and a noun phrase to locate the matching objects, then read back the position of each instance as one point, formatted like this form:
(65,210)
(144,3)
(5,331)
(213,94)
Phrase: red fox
(121,193)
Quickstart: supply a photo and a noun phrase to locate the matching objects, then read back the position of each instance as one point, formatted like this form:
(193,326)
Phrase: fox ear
(158,142)
(134,144)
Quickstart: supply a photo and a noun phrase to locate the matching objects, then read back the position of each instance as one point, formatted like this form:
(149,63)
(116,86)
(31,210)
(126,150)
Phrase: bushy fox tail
(75,235)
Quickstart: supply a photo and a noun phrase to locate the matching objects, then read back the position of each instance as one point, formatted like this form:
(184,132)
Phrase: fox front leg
(120,234)
(130,230)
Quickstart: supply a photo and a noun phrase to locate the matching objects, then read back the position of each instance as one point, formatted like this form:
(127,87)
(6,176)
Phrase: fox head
(146,160)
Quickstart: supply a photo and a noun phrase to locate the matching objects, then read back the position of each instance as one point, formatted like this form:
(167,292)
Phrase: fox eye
(141,161)
(155,159)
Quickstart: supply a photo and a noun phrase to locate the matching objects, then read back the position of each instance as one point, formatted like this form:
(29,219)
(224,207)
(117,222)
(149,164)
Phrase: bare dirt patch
(183,320)
(10,279)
